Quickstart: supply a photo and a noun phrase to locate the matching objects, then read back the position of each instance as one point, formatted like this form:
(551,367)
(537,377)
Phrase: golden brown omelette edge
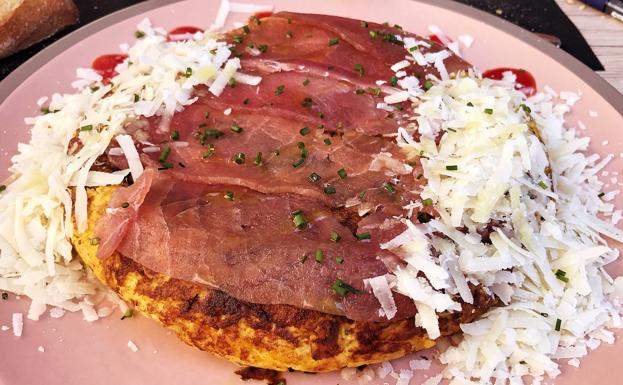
(278,337)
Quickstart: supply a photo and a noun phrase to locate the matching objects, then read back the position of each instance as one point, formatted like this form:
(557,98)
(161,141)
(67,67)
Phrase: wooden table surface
(604,34)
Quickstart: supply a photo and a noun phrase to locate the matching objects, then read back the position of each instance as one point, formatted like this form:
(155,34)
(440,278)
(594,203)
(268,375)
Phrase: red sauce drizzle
(435,39)
(183,30)
(525,80)
(105,65)
(261,15)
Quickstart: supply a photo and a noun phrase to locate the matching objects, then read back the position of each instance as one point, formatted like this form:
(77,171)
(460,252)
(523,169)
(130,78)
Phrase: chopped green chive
(2,188)
(376,91)
(359,69)
(427,202)
(329,189)
(542,185)
(373,34)
(246,29)
(299,219)
(125,205)
(210,151)
(5,295)
(364,24)
(489,111)
(256,20)
(470,104)
(94,88)
(258,159)
(558,324)
(424,217)
(246,101)
(362,194)
(342,173)
(298,163)
(321,115)
(237,39)
(307,102)
(166,151)
(229,196)
(319,256)
(452,167)
(363,236)
(304,258)
(289,35)
(601,194)
(236,128)
(339,260)
(397,26)
(343,289)
(306,82)
(289,21)
(451,129)
(189,72)
(522,362)
(262,47)
(327,141)
(413,49)
(88,127)
(544,315)
(206,115)
(240,158)
(304,131)
(280,90)
(136,98)
(232,82)
(333,41)
(360,91)
(562,275)
(525,108)
(313,177)
(175,135)
(128,314)
(393,81)
(139,34)
(335,237)
(428,85)
(389,187)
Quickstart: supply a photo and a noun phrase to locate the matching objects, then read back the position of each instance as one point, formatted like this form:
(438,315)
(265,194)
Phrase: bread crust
(32,21)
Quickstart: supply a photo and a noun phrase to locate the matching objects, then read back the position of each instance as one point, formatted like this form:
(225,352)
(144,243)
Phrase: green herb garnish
(313,177)
(343,289)
(335,237)
(363,236)
(240,158)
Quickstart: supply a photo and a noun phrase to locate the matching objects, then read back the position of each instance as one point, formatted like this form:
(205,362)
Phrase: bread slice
(26,22)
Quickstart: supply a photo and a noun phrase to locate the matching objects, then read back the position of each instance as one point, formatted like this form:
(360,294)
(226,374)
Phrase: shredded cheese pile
(36,208)
(506,167)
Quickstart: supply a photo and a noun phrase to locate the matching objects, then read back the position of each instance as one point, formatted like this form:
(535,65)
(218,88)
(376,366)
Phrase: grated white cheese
(36,208)
(132,346)
(18,324)
(484,162)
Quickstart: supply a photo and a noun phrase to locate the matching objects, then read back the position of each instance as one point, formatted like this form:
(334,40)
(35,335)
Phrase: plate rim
(601,86)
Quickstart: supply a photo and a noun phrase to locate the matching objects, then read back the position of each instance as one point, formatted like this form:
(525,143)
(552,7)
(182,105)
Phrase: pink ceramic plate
(77,352)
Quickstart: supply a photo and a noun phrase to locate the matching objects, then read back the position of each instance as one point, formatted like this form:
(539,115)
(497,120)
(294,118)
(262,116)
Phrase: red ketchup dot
(525,81)
(261,15)
(437,39)
(180,32)
(105,65)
